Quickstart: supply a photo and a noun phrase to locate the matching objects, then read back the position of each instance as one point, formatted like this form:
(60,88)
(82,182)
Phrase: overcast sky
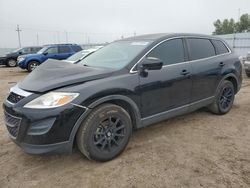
(80,21)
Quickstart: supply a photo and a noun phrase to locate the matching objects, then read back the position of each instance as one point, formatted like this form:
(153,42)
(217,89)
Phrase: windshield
(78,55)
(42,50)
(17,50)
(115,55)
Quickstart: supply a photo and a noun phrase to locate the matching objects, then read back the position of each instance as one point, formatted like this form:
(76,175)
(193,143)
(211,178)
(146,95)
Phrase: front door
(52,53)
(170,87)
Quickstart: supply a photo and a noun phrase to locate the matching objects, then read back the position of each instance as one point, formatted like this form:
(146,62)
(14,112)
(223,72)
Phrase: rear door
(64,52)
(170,87)
(206,68)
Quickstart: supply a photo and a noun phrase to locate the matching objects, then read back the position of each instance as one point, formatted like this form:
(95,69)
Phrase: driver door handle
(185,72)
(222,64)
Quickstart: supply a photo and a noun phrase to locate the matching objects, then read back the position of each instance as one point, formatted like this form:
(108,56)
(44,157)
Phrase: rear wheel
(32,65)
(105,132)
(11,63)
(224,99)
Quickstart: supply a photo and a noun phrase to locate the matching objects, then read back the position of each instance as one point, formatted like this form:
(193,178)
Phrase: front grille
(12,124)
(14,98)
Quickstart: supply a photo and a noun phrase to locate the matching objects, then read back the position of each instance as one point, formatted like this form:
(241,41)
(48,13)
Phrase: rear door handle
(222,64)
(185,72)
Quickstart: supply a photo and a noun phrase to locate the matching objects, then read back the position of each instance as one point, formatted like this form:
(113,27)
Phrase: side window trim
(217,55)
(178,42)
(216,49)
(159,43)
(132,70)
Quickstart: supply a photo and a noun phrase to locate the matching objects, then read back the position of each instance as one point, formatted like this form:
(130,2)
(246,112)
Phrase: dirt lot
(194,150)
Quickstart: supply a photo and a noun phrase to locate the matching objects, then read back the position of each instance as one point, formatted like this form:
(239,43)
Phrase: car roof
(159,36)
(60,45)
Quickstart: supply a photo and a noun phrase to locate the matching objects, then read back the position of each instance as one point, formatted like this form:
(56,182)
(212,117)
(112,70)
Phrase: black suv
(10,59)
(126,85)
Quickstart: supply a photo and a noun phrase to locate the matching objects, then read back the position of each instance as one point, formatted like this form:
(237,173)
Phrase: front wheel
(224,98)
(32,65)
(105,132)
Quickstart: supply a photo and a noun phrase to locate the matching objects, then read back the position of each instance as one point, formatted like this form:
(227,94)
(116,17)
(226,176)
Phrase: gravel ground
(195,150)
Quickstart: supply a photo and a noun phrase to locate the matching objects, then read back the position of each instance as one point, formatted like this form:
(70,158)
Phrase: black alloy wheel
(105,132)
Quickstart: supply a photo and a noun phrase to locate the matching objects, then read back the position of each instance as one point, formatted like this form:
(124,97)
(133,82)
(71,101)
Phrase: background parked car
(81,55)
(54,51)
(247,64)
(10,59)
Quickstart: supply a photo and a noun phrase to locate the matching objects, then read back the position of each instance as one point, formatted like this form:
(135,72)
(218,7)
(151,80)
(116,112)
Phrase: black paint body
(159,95)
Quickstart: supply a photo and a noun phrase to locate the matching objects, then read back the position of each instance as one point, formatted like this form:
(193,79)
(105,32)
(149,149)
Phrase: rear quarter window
(200,48)
(220,47)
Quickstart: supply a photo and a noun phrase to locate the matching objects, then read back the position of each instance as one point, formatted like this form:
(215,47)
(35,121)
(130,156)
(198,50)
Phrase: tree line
(229,26)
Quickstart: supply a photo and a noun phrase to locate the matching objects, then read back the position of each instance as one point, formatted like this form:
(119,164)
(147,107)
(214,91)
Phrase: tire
(32,65)
(224,99)
(11,63)
(105,133)
(248,75)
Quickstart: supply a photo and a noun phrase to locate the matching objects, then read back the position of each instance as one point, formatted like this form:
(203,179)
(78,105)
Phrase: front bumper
(247,66)
(22,64)
(3,61)
(43,131)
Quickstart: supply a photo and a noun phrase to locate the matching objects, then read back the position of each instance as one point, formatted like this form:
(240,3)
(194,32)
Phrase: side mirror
(20,53)
(45,53)
(150,63)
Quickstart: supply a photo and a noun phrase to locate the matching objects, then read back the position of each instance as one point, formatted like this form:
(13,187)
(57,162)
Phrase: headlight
(51,100)
(20,59)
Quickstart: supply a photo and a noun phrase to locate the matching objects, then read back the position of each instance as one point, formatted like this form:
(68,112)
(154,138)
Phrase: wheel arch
(125,102)
(33,59)
(232,78)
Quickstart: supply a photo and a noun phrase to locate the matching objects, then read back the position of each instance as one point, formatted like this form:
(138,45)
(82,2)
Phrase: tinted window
(220,47)
(52,50)
(64,49)
(34,49)
(200,48)
(76,48)
(169,52)
(25,50)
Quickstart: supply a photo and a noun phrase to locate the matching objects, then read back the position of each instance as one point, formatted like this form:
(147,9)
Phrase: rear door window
(76,48)
(220,47)
(200,48)
(64,49)
(170,52)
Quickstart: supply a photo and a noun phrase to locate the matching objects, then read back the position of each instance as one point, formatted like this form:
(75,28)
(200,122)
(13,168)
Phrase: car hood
(54,74)
(10,54)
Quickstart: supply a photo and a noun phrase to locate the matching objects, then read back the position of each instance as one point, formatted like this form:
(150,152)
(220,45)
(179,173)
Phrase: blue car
(55,51)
